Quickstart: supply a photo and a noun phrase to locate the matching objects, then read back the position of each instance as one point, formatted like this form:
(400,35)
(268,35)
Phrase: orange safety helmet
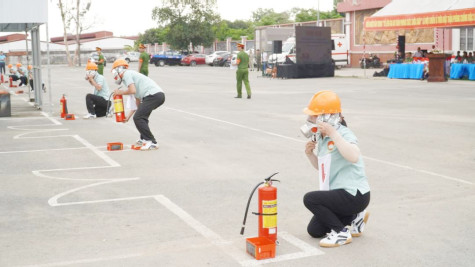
(91,66)
(323,102)
(18,64)
(120,62)
(10,66)
(30,67)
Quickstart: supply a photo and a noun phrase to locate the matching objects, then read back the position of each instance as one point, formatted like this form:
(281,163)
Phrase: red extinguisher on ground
(119,108)
(63,106)
(267,212)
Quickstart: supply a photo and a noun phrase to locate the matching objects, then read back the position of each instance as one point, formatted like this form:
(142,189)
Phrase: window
(466,39)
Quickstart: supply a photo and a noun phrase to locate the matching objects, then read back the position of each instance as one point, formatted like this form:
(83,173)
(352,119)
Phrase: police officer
(242,73)
(100,62)
(143,60)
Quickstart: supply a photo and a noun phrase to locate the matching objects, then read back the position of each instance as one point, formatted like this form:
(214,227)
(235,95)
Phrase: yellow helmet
(323,102)
(120,62)
(91,66)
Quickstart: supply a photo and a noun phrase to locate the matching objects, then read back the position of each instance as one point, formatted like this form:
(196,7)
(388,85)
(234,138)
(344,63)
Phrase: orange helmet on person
(10,66)
(141,46)
(30,67)
(91,66)
(18,64)
(323,102)
(118,69)
(240,45)
(120,62)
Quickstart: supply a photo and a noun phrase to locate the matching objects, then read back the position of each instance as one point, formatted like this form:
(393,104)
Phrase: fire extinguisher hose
(250,197)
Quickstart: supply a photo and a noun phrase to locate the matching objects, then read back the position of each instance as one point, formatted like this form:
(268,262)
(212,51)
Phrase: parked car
(231,59)
(211,57)
(221,59)
(94,57)
(131,56)
(166,58)
(193,60)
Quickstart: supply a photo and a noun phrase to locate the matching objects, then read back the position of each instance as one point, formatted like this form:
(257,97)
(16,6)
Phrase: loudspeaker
(401,43)
(277,47)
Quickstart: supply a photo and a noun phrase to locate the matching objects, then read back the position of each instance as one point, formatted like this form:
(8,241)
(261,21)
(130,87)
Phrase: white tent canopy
(404,7)
(24,16)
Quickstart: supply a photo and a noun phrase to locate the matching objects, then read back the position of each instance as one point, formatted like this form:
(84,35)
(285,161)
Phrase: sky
(125,19)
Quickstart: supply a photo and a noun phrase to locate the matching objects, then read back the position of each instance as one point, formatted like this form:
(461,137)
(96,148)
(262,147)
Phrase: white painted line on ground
(76,262)
(301,141)
(40,150)
(21,119)
(235,124)
(307,251)
(99,153)
(421,171)
(39,173)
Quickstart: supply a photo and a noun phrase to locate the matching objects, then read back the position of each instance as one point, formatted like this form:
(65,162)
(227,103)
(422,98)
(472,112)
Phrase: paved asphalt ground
(67,201)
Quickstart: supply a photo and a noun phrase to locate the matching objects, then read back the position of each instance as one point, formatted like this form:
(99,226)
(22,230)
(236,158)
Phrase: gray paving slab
(67,201)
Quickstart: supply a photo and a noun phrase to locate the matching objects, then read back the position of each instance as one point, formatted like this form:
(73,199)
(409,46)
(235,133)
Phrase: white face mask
(310,130)
(332,119)
(91,73)
(116,74)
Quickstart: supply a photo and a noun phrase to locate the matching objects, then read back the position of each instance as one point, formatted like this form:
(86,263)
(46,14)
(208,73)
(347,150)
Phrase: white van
(339,52)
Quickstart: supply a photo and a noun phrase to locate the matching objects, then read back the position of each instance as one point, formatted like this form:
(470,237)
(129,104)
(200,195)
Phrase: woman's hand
(326,129)
(117,92)
(309,147)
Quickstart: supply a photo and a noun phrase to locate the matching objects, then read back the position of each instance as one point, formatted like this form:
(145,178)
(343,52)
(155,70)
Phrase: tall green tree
(187,21)
(152,36)
(268,16)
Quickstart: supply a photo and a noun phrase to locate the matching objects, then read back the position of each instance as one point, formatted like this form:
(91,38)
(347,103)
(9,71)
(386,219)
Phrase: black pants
(333,209)
(2,67)
(23,80)
(96,105)
(144,110)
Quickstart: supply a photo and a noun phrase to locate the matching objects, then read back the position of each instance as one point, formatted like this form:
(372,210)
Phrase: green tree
(268,16)
(187,21)
(152,36)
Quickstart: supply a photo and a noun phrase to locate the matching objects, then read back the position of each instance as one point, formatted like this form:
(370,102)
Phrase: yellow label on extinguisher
(269,207)
(118,106)
(61,107)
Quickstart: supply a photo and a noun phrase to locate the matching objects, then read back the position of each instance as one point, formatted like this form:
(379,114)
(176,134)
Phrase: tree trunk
(63,17)
(78,31)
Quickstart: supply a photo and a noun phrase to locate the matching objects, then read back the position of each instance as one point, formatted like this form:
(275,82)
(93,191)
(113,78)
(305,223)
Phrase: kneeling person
(98,102)
(148,95)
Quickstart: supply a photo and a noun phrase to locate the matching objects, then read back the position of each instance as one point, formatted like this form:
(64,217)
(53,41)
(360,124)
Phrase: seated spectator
(408,57)
(458,58)
(470,57)
(464,57)
(418,53)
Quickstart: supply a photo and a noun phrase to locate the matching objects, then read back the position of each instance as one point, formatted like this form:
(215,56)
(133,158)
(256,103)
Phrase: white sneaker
(89,116)
(334,239)
(358,224)
(148,145)
(140,142)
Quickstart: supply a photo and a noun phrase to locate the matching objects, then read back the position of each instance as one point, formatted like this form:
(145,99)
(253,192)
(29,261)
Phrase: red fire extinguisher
(119,108)
(267,209)
(63,106)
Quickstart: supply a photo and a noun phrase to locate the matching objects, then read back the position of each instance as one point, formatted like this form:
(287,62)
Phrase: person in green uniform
(100,62)
(242,73)
(143,60)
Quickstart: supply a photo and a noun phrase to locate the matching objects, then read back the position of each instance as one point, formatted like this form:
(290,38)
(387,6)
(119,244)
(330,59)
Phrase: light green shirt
(144,86)
(344,174)
(104,92)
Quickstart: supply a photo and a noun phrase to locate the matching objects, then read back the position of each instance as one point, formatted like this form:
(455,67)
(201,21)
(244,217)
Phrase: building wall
(383,43)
